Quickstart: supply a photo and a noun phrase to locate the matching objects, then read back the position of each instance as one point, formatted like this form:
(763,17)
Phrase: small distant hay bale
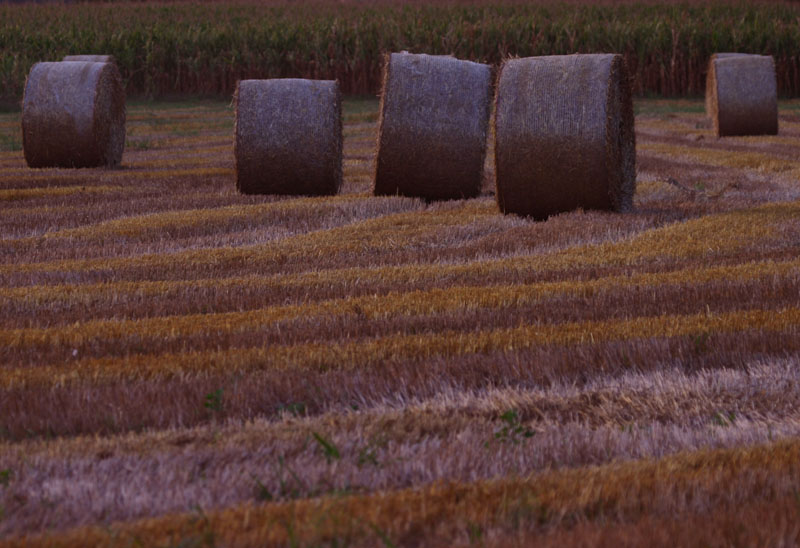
(564,136)
(90,58)
(288,137)
(742,94)
(434,118)
(73,115)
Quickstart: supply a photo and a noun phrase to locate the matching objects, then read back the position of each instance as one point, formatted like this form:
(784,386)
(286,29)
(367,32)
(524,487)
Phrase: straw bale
(288,137)
(710,75)
(434,118)
(742,94)
(73,115)
(90,58)
(564,135)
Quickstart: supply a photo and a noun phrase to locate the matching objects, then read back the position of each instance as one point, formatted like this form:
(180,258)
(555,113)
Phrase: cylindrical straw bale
(710,75)
(90,58)
(434,118)
(743,95)
(564,135)
(288,137)
(73,115)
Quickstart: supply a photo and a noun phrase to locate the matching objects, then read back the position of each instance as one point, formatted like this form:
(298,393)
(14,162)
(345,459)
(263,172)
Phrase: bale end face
(288,137)
(710,77)
(73,115)
(564,135)
(434,117)
(743,95)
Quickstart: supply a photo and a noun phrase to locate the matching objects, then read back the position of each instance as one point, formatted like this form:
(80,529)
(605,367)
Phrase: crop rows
(182,364)
(169,49)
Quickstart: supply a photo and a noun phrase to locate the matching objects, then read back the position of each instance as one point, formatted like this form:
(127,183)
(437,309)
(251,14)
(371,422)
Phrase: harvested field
(181,364)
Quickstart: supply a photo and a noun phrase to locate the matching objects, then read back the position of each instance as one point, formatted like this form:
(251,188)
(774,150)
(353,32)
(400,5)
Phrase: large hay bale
(434,117)
(742,94)
(288,137)
(564,135)
(73,115)
(90,58)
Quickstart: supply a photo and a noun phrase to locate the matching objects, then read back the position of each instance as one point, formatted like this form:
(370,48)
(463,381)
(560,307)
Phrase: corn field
(176,49)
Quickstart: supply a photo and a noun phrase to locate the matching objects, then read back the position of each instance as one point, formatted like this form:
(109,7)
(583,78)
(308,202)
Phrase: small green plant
(285,489)
(701,342)
(263,494)
(296,409)
(330,451)
(512,430)
(382,535)
(368,455)
(5,476)
(475,533)
(723,419)
(205,539)
(213,401)
(10,143)
(140,144)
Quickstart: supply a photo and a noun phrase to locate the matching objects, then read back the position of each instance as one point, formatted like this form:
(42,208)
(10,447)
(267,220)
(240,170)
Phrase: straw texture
(90,58)
(742,94)
(288,137)
(434,117)
(73,115)
(564,135)
(710,75)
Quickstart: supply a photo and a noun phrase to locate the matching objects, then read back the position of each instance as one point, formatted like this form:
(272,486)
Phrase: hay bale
(742,93)
(288,137)
(90,58)
(710,75)
(564,135)
(434,117)
(73,115)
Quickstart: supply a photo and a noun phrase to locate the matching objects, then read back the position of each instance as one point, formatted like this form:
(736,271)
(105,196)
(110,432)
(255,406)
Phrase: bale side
(73,115)
(288,137)
(744,96)
(620,138)
(434,118)
(90,58)
(564,135)
(110,114)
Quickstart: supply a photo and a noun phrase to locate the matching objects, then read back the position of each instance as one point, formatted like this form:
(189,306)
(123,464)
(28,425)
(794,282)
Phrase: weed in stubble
(512,430)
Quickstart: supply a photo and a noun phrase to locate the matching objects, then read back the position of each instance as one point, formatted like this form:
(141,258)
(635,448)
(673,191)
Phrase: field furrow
(184,365)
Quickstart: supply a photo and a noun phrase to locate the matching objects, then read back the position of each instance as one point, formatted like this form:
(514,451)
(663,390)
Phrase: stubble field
(183,365)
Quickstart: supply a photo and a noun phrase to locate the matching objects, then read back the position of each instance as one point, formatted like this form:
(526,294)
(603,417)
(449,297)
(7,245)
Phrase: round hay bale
(90,58)
(434,117)
(742,94)
(564,135)
(710,75)
(73,115)
(288,137)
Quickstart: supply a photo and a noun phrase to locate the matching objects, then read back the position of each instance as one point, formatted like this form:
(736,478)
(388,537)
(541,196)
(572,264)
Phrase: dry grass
(168,344)
(442,512)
